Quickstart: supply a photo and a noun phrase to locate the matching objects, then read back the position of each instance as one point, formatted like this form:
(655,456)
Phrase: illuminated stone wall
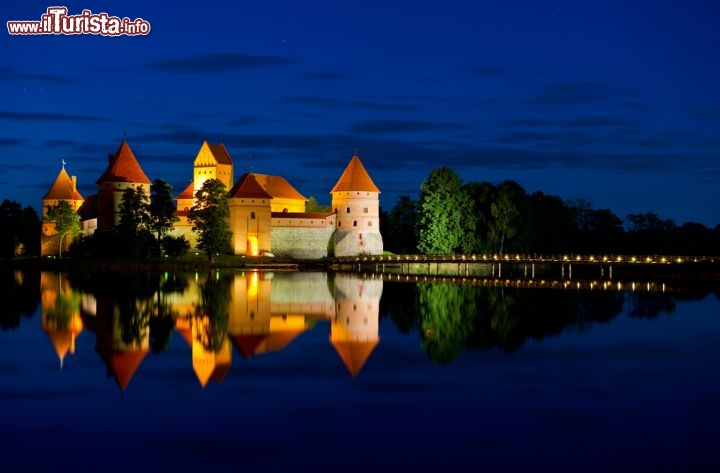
(302,242)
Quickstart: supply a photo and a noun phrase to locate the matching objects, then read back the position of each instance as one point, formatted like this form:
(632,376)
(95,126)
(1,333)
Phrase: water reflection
(249,314)
(256,312)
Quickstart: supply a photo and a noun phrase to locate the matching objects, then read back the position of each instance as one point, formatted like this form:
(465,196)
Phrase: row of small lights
(517,257)
(648,286)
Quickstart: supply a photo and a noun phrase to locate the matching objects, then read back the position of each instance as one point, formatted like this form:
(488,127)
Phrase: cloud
(47,116)
(384,106)
(313,100)
(404,126)
(487,71)
(217,62)
(8,73)
(570,93)
(325,76)
(526,122)
(11,142)
(599,122)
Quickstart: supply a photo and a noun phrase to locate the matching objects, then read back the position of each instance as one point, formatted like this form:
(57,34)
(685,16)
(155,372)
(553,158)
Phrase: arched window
(354,223)
(348,210)
(252,215)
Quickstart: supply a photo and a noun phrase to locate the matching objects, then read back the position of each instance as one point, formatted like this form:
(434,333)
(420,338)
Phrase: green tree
(481,195)
(66,220)
(400,234)
(505,214)
(161,210)
(20,230)
(445,213)
(134,236)
(209,217)
(312,205)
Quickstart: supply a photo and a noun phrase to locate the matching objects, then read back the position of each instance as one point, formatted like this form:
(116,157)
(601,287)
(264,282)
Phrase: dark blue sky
(616,102)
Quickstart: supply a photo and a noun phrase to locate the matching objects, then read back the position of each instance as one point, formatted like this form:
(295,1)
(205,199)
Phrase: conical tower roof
(63,188)
(124,167)
(355,178)
(249,187)
(354,354)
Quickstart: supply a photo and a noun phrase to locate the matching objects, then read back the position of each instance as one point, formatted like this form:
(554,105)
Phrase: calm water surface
(338,372)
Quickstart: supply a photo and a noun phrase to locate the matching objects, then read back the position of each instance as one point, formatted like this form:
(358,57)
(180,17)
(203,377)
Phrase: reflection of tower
(60,313)
(209,365)
(122,337)
(257,326)
(354,332)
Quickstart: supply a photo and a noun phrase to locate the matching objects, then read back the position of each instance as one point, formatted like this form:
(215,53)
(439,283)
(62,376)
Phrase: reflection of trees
(399,301)
(650,304)
(20,296)
(445,316)
(212,315)
(140,302)
(66,305)
(453,317)
(163,317)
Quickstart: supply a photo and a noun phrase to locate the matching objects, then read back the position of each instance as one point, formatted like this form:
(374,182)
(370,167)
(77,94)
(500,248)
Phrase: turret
(356,201)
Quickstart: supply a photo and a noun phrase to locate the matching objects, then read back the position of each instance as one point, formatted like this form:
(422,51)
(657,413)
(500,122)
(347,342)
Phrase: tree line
(455,217)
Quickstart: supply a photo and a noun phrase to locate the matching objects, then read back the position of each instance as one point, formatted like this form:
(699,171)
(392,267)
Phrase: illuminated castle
(267,214)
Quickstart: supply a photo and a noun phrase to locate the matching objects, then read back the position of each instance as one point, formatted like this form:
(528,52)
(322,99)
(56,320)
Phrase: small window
(354,223)
(365,210)
(252,215)
(348,210)
(339,224)
(370,224)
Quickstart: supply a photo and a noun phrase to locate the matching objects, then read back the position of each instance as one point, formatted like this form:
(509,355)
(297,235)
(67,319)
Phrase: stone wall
(351,243)
(299,242)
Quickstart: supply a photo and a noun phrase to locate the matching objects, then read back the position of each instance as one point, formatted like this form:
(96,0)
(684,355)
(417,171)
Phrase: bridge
(531,266)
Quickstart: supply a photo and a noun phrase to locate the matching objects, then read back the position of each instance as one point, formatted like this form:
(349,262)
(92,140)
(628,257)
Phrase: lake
(269,371)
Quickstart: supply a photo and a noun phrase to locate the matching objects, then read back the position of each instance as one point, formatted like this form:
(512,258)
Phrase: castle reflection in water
(254,312)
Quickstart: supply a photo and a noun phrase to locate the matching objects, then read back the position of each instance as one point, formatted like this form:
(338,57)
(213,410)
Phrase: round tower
(123,172)
(356,203)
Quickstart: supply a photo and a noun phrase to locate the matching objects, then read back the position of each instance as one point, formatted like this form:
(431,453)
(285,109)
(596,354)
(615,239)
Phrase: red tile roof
(220,153)
(278,187)
(63,189)
(248,186)
(355,178)
(188,192)
(124,167)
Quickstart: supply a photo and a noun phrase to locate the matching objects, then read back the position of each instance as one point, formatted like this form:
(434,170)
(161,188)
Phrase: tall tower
(63,189)
(356,201)
(123,172)
(212,162)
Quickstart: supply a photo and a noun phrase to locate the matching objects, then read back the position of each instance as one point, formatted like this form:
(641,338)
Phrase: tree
(135,238)
(444,214)
(400,234)
(66,220)
(209,217)
(161,210)
(312,206)
(20,230)
(504,214)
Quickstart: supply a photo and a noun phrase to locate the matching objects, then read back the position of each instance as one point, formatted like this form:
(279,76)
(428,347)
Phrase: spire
(355,178)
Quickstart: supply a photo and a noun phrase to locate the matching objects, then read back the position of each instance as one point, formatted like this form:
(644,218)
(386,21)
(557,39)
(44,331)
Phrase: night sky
(616,102)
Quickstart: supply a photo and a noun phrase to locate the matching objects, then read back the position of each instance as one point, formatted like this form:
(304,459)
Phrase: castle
(267,214)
